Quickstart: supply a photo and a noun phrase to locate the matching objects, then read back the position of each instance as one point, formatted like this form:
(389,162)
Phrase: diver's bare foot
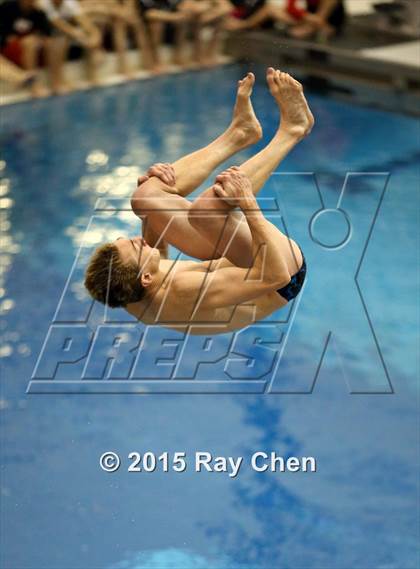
(296,116)
(245,126)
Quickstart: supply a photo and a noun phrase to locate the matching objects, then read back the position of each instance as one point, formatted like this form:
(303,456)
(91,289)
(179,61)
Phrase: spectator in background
(11,73)
(121,16)
(70,24)
(319,16)
(24,34)
(182,15)
(161,16)
(210,14)
(323,17)
(248,14)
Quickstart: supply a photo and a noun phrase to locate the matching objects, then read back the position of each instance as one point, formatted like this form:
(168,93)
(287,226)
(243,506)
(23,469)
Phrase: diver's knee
(143,198)
(206,202)
(198,214)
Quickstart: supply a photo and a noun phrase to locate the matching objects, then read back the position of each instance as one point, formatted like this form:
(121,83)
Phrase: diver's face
(138,253)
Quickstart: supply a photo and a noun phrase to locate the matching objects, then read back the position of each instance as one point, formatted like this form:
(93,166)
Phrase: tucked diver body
(246,267)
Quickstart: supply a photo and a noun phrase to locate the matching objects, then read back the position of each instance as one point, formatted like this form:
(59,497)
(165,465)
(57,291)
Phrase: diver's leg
(192,170)
(165,219)
(208,228)
(296,123)
(244,130)
(212,217)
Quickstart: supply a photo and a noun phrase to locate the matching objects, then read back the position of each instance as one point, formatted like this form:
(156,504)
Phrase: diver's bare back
(184,313)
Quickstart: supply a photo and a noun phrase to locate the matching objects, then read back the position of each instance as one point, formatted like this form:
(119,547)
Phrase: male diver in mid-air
(247,267)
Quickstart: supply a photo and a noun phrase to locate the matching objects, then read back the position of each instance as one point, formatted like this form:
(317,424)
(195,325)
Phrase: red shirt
(295,11)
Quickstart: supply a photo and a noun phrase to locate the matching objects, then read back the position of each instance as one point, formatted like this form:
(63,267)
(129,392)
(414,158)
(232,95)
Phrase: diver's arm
(165,174)
(236,189)
(231,285)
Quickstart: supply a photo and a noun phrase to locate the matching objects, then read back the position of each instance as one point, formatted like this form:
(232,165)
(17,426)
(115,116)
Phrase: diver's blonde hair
(111,281)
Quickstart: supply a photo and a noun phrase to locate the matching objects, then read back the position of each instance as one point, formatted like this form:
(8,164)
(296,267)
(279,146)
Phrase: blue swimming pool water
(59,510)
